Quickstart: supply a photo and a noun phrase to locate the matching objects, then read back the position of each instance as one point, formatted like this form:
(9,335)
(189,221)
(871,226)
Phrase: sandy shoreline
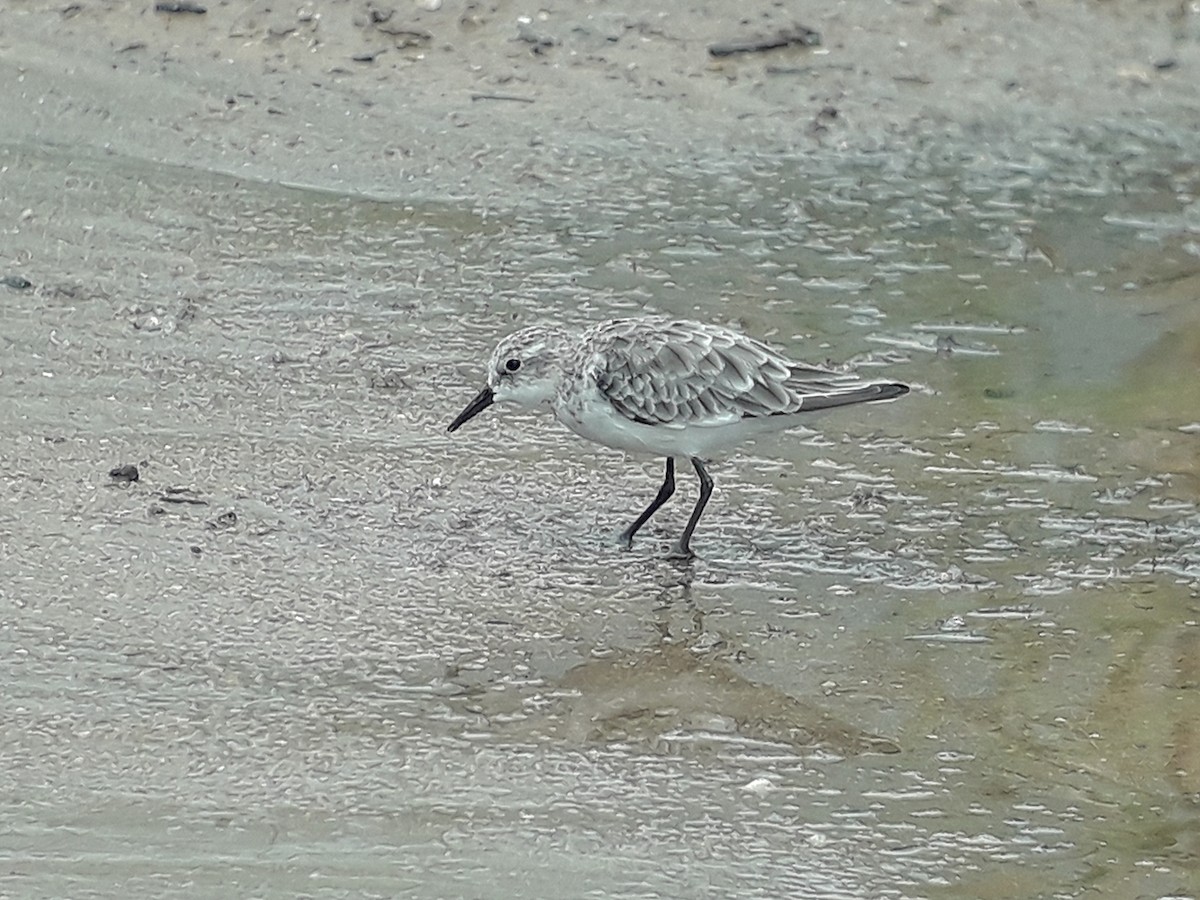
(475,98)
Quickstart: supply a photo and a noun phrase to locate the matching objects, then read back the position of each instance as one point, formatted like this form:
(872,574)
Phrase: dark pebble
(540,40)
(124,473)
(16,282)
(180,6)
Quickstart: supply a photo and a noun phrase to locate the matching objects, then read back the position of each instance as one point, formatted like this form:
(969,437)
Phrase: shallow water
(944,646)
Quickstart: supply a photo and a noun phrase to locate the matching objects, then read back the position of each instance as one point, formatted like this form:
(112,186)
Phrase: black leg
(664,494)
(683,550)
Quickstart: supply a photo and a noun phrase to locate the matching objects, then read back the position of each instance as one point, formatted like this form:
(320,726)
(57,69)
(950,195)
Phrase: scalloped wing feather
(681,373)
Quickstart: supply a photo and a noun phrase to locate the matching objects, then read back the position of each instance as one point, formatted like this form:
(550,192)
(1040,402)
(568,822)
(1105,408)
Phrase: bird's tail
(862,393)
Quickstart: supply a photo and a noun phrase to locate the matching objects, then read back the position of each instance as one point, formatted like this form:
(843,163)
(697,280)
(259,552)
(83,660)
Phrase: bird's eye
(512,365)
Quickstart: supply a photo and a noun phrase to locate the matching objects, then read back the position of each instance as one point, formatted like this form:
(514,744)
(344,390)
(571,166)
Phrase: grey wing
(679,373)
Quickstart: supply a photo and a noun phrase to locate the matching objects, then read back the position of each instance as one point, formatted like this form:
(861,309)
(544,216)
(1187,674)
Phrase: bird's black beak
(481,402)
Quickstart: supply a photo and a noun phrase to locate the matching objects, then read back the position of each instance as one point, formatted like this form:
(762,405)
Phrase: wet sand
(319,646)
(476,100)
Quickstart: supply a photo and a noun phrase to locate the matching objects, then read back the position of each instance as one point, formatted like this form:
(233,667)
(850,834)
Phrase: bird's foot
(625,540)
(681,553)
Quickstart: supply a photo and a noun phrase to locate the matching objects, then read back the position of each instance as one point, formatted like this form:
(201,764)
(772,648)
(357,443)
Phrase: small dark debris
(196,551)
(136,45)
(365,57)
(1164,64)
(16,282)
(179,6)
(512,97)
(124,474)
(796,36)
(998,393)
(404,38)
(224,520)
(539,39)
(181,495)
(790,70)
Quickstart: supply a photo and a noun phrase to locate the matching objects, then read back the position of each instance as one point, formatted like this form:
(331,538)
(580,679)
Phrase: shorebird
(668,387)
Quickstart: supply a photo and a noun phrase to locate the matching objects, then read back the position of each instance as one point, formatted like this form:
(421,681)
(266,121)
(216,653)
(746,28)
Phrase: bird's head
(525,369)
